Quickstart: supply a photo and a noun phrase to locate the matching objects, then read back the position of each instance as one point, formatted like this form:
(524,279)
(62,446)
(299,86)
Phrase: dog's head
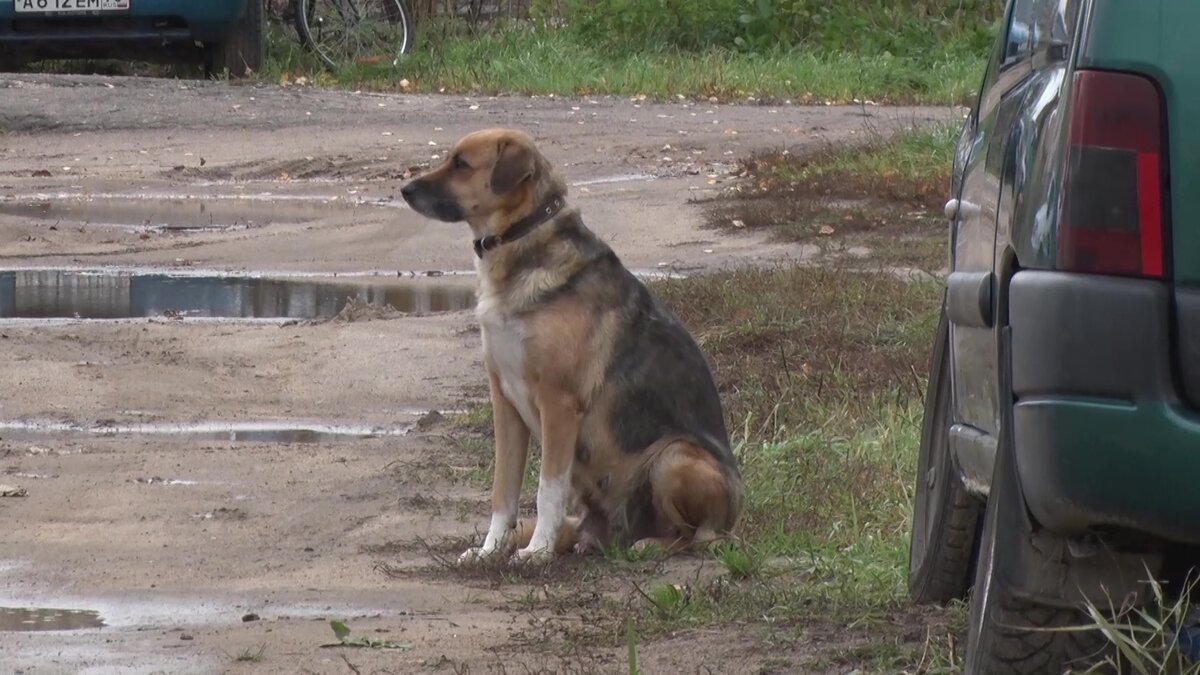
(488,172)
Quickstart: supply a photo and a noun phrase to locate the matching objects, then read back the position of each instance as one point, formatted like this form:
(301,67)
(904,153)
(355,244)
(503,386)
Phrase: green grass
(920,157)
(822,372)
(538,61)
(1145,636)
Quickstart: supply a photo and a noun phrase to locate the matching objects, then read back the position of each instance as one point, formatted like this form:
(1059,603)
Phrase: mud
(195,465)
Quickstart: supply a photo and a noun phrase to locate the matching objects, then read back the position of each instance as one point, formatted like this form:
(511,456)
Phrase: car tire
(1009,634)
(244,49)
(945,516)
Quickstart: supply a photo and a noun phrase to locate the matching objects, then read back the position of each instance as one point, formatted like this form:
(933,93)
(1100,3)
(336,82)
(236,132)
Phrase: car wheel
(945,515)
(243,51)
(1008,634)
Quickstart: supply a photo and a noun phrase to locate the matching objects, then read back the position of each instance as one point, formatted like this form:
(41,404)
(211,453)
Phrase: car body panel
(1106,369)
(147,21)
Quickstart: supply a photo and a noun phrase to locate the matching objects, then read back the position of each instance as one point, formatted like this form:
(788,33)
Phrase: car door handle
(960,209)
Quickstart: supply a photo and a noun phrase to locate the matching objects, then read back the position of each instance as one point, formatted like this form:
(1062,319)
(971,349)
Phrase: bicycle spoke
(363,32)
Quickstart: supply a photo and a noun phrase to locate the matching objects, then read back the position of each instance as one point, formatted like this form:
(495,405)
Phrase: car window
(1018,34)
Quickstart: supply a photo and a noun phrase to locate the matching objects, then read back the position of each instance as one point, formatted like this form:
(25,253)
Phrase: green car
(1060,454)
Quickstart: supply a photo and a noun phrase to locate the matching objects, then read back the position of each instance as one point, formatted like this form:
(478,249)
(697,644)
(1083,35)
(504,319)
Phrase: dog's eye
(460,163)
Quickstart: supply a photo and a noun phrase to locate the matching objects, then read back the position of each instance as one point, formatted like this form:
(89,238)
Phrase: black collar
(522,227)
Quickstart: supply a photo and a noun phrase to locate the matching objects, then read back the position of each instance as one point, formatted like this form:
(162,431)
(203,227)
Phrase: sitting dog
(580,355)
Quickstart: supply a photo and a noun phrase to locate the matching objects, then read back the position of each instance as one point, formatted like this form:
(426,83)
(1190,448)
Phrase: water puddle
(105,294)
(621,178)
(247,432)
(36,619)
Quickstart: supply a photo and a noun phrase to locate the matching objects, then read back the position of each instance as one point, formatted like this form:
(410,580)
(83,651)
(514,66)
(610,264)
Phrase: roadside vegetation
(803,51)
(920,51)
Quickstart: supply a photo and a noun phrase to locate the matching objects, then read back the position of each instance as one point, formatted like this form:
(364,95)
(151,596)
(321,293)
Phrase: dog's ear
(514,166)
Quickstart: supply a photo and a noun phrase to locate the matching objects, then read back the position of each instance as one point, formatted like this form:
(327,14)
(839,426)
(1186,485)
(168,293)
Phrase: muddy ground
(196,551)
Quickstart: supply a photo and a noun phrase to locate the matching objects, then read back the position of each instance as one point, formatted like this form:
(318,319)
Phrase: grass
(877,203)
(526,59)
(1147,638)
(530,60)
(251,655)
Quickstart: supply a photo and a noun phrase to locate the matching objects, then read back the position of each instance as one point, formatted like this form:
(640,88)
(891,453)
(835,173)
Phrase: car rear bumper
(1102,437)
(148,21)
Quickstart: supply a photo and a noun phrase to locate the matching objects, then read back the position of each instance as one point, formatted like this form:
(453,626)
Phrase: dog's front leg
(560,431)
(512,450)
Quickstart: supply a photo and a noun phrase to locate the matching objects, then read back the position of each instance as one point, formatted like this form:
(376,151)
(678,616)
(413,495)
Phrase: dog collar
(522,227)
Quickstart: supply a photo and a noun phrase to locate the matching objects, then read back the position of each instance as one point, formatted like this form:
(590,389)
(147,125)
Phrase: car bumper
(161,21)
(1102,437)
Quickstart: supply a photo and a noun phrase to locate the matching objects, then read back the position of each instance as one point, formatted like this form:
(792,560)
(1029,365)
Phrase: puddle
(100,294)
(621,178)
(247,432)
(174,213)
(31,619)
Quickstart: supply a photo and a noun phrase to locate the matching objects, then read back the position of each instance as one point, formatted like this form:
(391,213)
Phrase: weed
(668,601)
(631,644)
(1159,637)
(342,632)
(740,562)
(251,655)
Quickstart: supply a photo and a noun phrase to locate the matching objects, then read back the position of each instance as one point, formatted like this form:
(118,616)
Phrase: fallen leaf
(738,223)
(826,230)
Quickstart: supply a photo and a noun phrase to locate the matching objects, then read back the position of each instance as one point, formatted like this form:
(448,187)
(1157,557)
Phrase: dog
(581,356)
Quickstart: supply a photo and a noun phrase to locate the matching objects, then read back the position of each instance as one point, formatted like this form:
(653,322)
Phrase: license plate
(69,6)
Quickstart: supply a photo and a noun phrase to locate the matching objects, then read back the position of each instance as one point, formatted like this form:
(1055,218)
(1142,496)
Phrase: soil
(176,542)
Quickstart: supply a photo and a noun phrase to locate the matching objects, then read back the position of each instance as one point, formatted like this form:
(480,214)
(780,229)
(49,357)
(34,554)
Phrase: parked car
(229,32)
(1060,454)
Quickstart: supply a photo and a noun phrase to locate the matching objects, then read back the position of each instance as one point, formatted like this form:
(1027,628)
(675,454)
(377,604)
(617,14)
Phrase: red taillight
(1111,218)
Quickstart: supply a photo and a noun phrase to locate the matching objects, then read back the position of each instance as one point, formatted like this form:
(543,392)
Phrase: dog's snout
(409,189)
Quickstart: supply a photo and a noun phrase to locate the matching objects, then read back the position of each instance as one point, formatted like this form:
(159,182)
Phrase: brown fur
(571,343)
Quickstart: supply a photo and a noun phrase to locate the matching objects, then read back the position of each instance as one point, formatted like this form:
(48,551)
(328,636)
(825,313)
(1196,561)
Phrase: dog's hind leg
(694,497)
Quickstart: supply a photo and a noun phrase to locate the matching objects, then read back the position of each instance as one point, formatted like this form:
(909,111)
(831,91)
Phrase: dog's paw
(533,557)
(476,556)
(586,547)
(650,548)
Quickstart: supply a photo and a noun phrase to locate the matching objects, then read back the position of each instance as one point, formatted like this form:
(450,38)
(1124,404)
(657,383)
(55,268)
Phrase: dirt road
(195,549)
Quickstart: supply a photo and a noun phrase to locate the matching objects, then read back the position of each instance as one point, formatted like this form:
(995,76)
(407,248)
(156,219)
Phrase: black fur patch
(663,383)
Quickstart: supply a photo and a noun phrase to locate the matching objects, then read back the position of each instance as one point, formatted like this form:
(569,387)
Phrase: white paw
(476,556)
(533,556)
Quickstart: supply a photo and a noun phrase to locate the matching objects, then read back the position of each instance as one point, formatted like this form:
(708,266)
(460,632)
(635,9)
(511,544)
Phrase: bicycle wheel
(355,32)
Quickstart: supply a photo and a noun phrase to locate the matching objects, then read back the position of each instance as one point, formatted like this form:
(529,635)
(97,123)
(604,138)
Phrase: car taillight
(1111,219)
